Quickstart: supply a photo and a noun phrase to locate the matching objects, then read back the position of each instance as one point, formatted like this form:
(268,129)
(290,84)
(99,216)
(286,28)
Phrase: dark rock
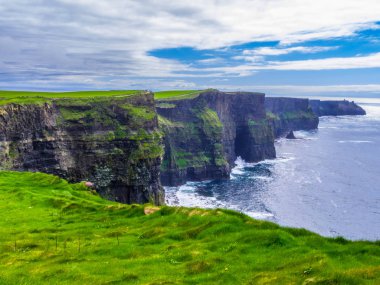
(113,143)
(336,108)
(291,136)
(203,136)
(290,114)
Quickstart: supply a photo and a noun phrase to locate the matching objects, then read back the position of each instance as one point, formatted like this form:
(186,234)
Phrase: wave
(187,196)
(355,141)
(305,135)
(264,178)
(259,215)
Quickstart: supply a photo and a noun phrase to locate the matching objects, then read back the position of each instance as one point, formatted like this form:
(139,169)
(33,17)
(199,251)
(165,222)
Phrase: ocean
(327,181)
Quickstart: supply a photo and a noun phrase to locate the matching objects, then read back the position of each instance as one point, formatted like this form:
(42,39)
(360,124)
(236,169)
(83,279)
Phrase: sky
(279,47)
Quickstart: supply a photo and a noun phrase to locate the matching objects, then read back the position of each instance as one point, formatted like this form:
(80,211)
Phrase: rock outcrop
(113,142)
(204,135)
(336,108)
(290,114)
(291,136)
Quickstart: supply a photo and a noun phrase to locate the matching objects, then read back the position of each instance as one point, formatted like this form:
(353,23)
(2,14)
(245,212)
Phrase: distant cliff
(336,108)
(113,142)
(290,114)
(204,135)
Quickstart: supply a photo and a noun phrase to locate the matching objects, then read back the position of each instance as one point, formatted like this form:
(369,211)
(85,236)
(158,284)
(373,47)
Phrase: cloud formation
(50,43)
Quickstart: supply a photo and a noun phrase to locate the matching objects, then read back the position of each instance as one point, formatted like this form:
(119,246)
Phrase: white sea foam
(355,141)
(305,135)
(259,215)
(264,178)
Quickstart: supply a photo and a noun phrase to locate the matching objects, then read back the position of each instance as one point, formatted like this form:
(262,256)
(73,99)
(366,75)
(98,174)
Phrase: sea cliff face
(204,135)
(113,142)
(336,108)
(290,114)
(127,145)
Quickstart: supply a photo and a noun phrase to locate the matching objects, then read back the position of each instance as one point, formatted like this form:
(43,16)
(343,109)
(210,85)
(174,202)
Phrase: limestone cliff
(290,114)
(113,142)
(204,135)
(336,108)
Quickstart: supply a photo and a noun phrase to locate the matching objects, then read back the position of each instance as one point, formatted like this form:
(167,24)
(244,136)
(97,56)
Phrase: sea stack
(291,136)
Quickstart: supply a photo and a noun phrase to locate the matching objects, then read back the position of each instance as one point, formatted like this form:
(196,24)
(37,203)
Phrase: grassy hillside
(27,97)
(53,232)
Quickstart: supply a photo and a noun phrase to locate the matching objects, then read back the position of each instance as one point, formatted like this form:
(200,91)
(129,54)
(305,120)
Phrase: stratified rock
(203,136)
(290,114)
(291,136)
(113,142)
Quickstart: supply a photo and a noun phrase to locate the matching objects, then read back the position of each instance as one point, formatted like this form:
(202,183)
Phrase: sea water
(327,180)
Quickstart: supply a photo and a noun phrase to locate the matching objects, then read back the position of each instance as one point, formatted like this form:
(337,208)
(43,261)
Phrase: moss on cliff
(76,137)
(195,144)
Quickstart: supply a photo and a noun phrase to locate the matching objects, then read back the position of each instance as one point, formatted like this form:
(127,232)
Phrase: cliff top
(28,97)
(176,94)
(55,232)
(36,97)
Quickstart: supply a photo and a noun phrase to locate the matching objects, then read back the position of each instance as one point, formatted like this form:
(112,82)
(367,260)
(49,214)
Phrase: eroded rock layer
(290,114)
(204,135)
(113,142)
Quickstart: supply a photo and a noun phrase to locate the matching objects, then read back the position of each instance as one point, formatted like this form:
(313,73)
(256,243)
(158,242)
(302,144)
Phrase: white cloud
(370,61)
(102,39)
(281,51)
(334,63)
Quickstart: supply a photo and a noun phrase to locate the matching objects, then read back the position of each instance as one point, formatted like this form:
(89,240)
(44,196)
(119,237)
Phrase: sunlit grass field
(29,97)
(176,94)
(53,232)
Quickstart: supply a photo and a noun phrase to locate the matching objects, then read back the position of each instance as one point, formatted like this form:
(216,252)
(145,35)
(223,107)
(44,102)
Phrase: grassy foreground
(53,232)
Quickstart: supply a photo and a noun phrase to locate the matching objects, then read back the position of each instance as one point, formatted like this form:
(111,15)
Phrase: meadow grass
(176,94)
(53,232)
(28,97)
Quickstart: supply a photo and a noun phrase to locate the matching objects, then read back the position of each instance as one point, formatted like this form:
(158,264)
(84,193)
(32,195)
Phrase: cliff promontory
(114,142)
(204,135)
(290,114)
(336,108)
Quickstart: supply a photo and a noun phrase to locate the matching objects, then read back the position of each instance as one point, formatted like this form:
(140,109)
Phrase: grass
(176,94)
(53,232)
(27,97)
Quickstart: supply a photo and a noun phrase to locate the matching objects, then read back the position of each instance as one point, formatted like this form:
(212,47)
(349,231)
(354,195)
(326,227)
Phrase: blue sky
(280,47)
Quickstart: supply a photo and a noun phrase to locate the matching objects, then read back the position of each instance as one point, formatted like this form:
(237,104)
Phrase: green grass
(176,94)
(53,232)
(27,97)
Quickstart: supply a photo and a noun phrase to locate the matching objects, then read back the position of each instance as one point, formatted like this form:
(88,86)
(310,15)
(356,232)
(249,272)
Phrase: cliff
(204,135)
(290,114)
(113,142)
(336,108)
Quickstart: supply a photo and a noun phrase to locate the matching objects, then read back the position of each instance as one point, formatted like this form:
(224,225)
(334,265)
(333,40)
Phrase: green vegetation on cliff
(28,97)
(193,144)
(53,232)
